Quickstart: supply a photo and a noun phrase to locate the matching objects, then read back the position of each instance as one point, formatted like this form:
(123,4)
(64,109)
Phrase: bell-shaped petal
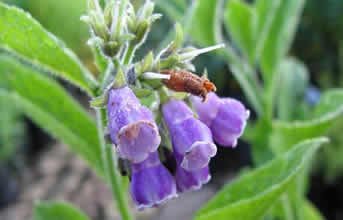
(151,183)
(198,156)
(190,180)
(230,122)
(131,125)
(190,137)
(206,110)
(176,111)
(226,117)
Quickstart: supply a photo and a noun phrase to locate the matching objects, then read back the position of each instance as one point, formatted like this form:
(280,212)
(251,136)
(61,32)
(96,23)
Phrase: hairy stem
(129,53)
(111,171)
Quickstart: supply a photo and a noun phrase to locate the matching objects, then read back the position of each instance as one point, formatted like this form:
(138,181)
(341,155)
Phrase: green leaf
(332,154)
(240,20)
(47,104)
(282,210)
(280,35)
(286,134)
(74,32)
(294,81)
(175,9)
(24,38)
(12,127)
(251,195)
(260,141)
(204,26)
(57,210)
(266,11)
(311,212)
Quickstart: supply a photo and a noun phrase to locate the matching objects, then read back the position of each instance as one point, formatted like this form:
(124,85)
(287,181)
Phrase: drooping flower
(226,117)
(151,183)
(190,138)
(190,180)
(131,125)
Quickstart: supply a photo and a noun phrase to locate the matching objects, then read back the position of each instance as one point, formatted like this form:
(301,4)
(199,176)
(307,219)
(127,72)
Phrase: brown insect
(184,81)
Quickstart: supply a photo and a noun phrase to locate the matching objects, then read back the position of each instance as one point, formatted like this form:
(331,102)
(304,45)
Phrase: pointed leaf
(266,11)
(47,104)
(294,81)
(57,210)
(204,26)
(281,35)
(311,212)
(251,195)
(286,134)
(24,38)
(175,9)
(240,20)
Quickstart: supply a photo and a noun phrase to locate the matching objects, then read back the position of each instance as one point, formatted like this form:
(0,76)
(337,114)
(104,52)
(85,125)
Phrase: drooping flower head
(190,138)
(151,183)
(226,117)
(131,125)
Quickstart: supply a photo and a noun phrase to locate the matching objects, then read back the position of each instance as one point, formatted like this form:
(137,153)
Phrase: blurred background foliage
(318,43)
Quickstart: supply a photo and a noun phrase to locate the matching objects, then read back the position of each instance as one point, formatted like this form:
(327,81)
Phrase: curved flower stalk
(226,117)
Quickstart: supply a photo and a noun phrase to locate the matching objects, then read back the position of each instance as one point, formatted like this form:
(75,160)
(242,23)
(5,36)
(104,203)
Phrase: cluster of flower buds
(149,124)
(113,26)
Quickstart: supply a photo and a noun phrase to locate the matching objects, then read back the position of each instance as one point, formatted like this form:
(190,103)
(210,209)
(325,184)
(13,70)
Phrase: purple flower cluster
(136,136)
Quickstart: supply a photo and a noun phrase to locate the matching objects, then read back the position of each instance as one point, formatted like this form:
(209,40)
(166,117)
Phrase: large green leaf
(175,9)
(331,158)
(266,11)
(240,20)
(47,104)
(24,38)
(74,33)
(12,127)
(57,210)
(251,196)
(311,212)
(204,26)
(294,81)
(283,210)
(286,134)
(281,34)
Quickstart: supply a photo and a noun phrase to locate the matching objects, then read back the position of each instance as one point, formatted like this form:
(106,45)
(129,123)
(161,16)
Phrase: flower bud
(226,117)
(191,138)
(141,32)
(140,24)
(131,125)
(108,13)
(151,183)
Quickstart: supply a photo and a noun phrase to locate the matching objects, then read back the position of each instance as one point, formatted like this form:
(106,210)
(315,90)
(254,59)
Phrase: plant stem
(110,169)
(129,54)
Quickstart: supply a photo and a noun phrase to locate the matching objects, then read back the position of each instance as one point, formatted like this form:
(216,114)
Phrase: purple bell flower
(226,117)
(151,183)
(191,138)
(131,125)
(190,180)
